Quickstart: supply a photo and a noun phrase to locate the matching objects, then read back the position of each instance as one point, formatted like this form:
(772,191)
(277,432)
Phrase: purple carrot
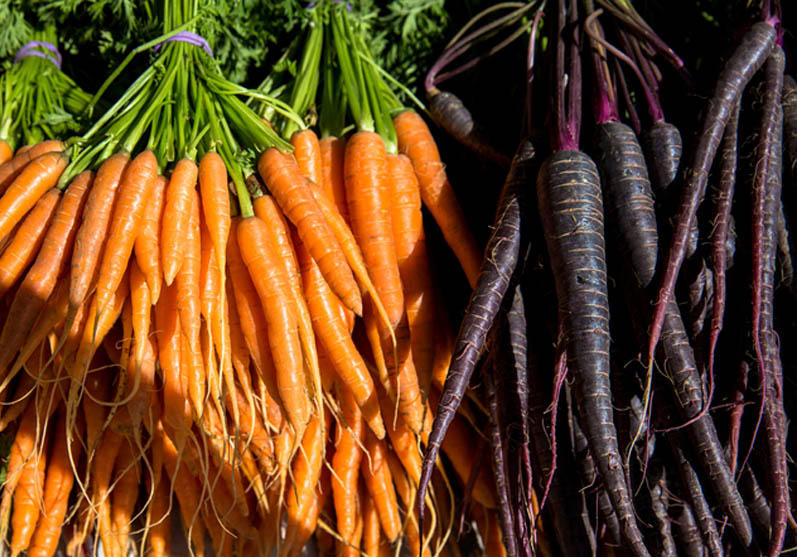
(662,146)
(629,208)
(450,113)
(571,209)
(585,465)
(659,504)
(735,421)
(501,258)
(769,170)
(760,510)
(719,234)
(498,455)
(694,494)
(748,57)
(689,534)
(789,103)
(784,263)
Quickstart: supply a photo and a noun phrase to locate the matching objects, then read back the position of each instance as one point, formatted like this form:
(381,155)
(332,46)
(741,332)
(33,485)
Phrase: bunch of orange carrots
(261,347)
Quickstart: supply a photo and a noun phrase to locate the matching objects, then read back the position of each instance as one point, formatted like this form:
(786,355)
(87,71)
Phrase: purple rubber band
(28,49)
(190,38)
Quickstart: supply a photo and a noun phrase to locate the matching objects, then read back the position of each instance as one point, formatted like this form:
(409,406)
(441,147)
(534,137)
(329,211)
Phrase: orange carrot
(26,241)
(307,152)
(57,486)
(140,298)
(346,360)
(310,518)
(379,482)
(128,470)
(280,239)
(371,528)
(23,193)
(188,491)
(167,324)
(404,441)
(176,215)
(128,210)
(11,169)
(407,493)
(416,141)
(147,246)
(294,196)
(215,201)
(368,198)
(346,465)
(271,283)
(5,152)
(94,227)
(307,466)
(28,499)
(188,298)
(160,531)
(102,478)
(96,327)
(332,150)
(416,277)
(40,280)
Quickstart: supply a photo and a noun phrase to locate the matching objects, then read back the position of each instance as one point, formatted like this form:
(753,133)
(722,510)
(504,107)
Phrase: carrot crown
(38,100)
(182,105)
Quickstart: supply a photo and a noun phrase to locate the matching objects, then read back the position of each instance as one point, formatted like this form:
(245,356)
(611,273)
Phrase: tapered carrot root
(293,194)
(416,141)
(368,198)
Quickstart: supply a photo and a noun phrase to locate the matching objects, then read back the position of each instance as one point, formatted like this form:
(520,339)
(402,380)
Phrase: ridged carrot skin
(346,465)
(307,152)
(57,486)
(159,535)
(23,193)
(250,314)
(41,278)
(215,201)
(332,180)
(307,465)
(416,141)
(338,346)
(188,302)
(128,211)
(294,196)
(147,246)
(368,198)
(568,189)
(94,227)
(378,480)
(272,287)
(413,262)
(26,241)
(11,169)
(176,212)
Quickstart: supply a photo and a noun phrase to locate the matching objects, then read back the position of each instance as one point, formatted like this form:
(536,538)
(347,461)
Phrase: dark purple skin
(585,465)
(720,230)
(629,209)
(784,264)
(760,510)
(735,419)
(789,103)
(746,60)
(498,458)
(498,267)
(573,535)
(571,210)
(450,113)
(659,504)
(689,534)
(694,494)
(770,145)
(663,147)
